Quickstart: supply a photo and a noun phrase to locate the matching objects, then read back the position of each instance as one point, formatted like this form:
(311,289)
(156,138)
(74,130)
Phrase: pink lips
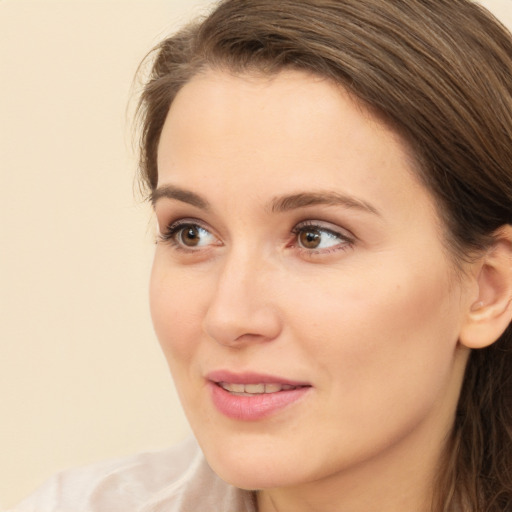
(252,407)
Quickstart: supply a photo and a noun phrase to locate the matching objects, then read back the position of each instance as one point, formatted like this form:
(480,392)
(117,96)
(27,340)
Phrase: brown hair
(440,72)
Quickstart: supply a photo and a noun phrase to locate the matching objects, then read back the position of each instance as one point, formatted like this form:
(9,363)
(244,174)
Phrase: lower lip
(256,407)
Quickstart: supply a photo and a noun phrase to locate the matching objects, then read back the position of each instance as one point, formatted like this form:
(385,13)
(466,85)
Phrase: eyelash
(345,241)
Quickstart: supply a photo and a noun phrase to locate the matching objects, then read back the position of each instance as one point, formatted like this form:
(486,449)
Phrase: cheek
(381,346)
(373,332)
(175,305)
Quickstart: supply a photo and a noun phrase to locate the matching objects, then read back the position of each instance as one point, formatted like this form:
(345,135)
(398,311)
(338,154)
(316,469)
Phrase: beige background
(81,376)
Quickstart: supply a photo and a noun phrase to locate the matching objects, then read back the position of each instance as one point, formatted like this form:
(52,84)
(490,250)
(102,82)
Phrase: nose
(242,307)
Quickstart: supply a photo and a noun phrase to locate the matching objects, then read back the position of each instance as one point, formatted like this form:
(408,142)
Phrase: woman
(332,283)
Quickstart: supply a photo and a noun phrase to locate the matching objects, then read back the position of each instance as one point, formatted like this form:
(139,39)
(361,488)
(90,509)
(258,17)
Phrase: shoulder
(175,480)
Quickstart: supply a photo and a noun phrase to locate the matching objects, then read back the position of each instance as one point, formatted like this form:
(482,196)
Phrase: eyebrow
(277,204)
(179,194)
(302,200)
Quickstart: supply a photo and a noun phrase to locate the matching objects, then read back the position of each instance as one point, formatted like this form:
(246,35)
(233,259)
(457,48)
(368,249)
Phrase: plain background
(81,376)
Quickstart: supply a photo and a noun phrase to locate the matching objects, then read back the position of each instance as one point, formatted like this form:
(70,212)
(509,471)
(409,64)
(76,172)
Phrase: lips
(254,389)
(226,376)
(252,397)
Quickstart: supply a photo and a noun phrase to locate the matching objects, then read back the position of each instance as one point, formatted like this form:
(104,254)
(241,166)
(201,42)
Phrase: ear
(491,312)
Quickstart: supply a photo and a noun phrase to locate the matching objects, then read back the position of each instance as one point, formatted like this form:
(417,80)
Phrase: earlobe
(491,313)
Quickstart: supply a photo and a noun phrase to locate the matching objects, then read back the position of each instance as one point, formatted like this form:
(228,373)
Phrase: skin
(370,318)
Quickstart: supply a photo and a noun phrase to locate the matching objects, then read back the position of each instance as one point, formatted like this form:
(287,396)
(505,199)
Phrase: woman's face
(301,291)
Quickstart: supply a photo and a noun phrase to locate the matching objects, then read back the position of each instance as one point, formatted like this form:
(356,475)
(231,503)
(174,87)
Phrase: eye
(192,236)
(189,235)
(315,237)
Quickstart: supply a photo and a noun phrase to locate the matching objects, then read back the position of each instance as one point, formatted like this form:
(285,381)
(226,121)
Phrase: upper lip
(251,378)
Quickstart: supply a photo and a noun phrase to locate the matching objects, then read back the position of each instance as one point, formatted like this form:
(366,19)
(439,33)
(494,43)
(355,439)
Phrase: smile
(254,389)
(253,397)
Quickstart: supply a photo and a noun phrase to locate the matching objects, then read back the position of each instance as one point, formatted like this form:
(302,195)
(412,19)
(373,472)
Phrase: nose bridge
(241,306)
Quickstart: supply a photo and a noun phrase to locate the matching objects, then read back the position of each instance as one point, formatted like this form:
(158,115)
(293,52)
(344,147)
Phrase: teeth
(254,389)
(236,388)
(273,388)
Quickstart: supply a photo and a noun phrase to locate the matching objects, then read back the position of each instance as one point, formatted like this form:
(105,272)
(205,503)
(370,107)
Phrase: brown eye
(190,236)
(310,238)
(317,238)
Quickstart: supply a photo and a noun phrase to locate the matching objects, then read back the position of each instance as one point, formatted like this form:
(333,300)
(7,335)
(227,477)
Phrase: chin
(255,467)
(254,477)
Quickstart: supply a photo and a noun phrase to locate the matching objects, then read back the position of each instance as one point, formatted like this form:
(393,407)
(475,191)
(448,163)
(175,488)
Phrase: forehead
(292,128)
(281,109)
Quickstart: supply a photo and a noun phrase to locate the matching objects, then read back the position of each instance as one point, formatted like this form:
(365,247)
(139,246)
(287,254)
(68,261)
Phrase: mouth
(255,389)
(253,397)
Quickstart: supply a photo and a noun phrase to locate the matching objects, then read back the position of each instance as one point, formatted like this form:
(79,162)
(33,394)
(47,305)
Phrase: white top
(174,480)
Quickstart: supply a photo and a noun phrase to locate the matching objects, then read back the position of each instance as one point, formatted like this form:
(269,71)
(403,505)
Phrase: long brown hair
(440,73)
